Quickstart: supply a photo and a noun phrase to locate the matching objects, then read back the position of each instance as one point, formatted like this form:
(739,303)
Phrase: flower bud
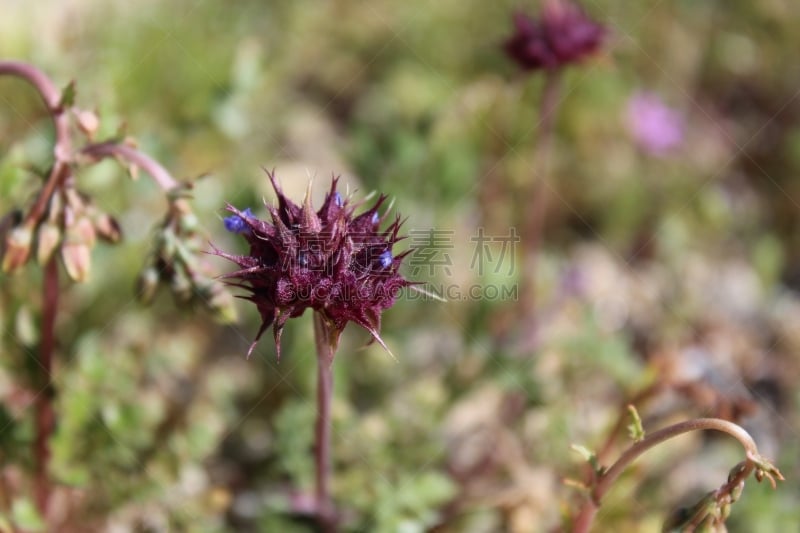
(55,209)
(107,227)
(82,231)
(77,260)
(736,492)
(75,200)
(88,122)
(181,286)
(725,511)
(147,285)
(48,238)
(167,245)
(17,248)
(133,171)
(189,223)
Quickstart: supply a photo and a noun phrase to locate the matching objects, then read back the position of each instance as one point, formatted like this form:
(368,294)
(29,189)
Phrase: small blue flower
(337,199)
(376,218)
(385,259)
(236,224)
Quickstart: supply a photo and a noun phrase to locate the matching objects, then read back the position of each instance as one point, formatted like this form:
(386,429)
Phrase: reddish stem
(60,174)
(147,163)
(45,415)
(326,339)
(534,213)
(152,167)
(62,149)
(585,517)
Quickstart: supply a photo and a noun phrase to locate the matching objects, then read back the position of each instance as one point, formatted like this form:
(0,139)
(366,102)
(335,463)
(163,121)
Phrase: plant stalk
(113,149)
(586,515)
(327,340)
(534,214)
(45,414)
(62,149)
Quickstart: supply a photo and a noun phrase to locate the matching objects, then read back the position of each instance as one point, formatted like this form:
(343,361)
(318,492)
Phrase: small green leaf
(588,456)
(635,428)
(67,96)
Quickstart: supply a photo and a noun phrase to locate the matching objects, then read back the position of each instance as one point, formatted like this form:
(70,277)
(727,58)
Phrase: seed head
(331,260)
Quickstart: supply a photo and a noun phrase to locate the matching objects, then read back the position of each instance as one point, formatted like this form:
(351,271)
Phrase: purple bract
(563,35)
(331,260)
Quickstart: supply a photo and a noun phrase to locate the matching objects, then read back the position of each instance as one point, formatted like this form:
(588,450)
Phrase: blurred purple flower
(563,35)
(656,128)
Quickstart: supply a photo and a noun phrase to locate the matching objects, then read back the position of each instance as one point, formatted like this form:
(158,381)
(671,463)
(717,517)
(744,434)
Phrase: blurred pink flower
(656,128)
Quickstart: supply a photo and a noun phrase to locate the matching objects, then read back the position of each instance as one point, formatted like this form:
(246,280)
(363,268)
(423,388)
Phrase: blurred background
(668,276)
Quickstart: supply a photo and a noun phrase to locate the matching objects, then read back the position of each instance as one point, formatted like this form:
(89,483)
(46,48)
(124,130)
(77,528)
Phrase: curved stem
(46,88)
(62,149)
(585,517)
(327,339)
(112,149)
(153,168)
(45,415)
(624,416)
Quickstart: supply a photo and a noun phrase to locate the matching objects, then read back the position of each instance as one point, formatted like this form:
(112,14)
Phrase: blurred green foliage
(691,259)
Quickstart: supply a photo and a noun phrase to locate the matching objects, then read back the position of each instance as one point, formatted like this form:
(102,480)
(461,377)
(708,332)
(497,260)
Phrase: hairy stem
(327,339)
(586,515)
(534,213)
(45,415)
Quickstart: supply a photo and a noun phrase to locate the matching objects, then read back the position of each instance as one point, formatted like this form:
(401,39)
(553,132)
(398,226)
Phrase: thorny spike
(311,221)
(261,330)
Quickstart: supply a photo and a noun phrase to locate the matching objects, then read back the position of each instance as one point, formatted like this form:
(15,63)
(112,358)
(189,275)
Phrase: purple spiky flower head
(564,34)
(333,261)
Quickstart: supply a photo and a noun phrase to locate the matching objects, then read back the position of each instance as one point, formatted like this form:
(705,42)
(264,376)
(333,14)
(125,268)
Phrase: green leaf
(67,96)
(635,428)
(588,456)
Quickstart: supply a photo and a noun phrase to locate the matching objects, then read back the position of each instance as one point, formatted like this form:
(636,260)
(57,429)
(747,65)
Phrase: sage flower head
(564,34)
(334,260)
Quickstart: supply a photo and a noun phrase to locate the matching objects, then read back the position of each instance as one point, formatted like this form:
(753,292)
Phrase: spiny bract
(331,260)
